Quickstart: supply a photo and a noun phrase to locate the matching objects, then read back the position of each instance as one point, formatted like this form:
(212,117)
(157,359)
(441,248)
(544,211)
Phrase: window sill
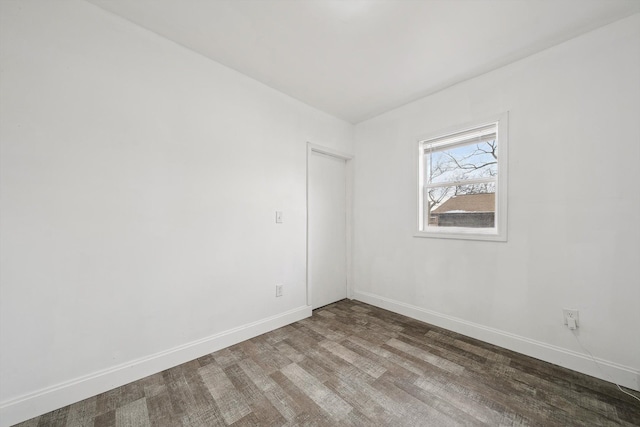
(463,234)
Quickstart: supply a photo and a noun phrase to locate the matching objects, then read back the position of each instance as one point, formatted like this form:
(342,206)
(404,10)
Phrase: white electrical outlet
(278,290)
(570,317)
(278,217)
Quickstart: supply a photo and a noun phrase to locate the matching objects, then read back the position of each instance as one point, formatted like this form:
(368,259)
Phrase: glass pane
(462,162)
(471,206)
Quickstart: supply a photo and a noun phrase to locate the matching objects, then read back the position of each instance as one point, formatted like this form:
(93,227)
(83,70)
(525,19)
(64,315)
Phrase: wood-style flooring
(354,364)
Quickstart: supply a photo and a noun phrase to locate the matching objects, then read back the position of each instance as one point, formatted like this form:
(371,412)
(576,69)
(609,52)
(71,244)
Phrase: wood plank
(326,399)
(134,414)
(229,400)
(82,413)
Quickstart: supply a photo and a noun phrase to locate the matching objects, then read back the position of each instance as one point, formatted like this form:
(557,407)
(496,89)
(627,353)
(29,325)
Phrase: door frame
(348,164)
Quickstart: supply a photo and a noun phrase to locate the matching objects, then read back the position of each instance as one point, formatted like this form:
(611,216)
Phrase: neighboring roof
(468,203)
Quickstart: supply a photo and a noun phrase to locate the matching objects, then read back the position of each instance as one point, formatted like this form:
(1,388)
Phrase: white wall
(139,188)
(574,208)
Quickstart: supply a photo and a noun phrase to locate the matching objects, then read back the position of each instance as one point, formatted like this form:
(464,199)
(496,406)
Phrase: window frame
(497,233)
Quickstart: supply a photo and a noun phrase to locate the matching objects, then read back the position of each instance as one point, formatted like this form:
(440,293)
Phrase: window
(462,186)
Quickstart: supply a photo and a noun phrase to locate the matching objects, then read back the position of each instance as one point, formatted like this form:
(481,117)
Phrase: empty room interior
(319,212)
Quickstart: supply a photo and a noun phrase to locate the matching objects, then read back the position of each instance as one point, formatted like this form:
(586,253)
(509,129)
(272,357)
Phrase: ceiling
(355,59)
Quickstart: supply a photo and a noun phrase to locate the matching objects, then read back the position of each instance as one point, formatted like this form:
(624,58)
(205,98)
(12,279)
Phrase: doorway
(328,228)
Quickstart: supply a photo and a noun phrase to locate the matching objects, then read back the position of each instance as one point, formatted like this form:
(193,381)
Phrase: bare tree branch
(462,167)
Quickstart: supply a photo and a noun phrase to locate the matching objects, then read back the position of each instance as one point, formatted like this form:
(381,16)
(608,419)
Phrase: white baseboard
(608,371)
(48,399)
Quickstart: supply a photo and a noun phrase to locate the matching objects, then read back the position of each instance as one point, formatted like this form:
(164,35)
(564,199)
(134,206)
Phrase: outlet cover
(570,313)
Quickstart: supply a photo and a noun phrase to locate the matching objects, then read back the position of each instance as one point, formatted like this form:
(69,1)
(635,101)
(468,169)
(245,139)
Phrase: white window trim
(499,232)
